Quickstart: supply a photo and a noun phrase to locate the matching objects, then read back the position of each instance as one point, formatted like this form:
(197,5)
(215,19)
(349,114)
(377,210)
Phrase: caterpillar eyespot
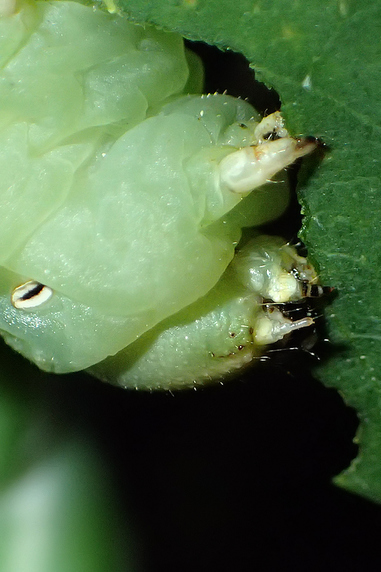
(136,195)
(30,295)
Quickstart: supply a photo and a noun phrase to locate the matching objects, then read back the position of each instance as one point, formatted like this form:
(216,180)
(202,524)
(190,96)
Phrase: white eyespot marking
(30,295)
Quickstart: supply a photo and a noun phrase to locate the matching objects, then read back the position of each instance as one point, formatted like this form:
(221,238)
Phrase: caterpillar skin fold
(123,198)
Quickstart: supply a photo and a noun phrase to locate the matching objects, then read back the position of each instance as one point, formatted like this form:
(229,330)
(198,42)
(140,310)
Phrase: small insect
(125,262)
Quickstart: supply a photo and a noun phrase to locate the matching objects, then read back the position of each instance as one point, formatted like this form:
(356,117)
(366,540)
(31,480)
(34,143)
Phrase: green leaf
(323,58)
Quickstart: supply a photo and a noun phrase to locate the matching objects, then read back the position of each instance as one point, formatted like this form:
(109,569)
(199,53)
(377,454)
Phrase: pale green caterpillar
(122,200)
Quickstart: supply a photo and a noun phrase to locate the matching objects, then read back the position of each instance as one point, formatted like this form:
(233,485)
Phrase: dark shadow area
(230,72)
(232,477)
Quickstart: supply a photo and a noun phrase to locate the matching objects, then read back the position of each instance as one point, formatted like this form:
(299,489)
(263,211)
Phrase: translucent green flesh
(109,188)
(206,341)
(63,335)
(68,69)
(139,217)
(210,339)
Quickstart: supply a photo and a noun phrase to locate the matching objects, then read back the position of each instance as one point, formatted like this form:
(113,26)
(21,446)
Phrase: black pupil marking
(32,292)
(314,290)
(271,136)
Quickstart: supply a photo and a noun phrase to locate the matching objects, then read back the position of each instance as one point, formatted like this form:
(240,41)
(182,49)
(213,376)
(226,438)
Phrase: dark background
(234,476)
